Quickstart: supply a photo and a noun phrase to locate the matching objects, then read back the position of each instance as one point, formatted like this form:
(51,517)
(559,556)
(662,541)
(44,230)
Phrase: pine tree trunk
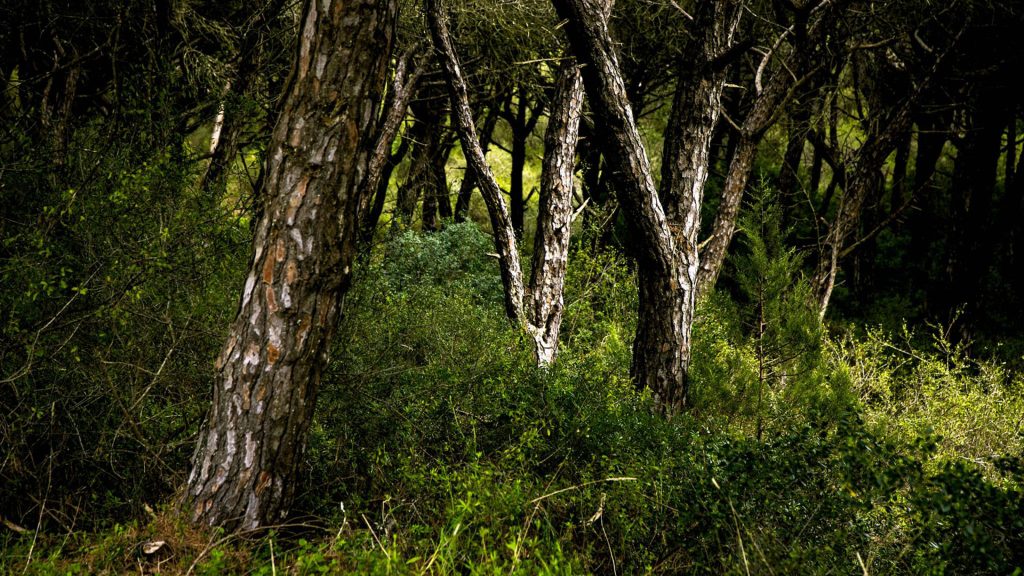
(501,224)
(250,448)
(687,151)
(661,349)
(469,177)
(554,215)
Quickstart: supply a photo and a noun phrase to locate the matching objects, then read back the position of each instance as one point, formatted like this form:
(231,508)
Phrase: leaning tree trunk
(250,448)
(660,347)
(462,116)
(382,162)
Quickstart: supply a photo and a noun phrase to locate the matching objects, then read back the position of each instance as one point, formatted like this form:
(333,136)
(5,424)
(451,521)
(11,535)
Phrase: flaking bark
(660,347)
(250,448)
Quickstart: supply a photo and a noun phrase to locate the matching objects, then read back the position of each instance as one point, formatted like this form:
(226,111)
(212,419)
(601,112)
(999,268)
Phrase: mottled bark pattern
(659,350)
(406,76)
(554,215)
(687,150)
(248,452)
(501,224)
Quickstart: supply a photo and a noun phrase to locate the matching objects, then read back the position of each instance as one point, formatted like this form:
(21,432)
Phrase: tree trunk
(250,448)
(469,177)
(713,255)
(884,134)
(501,224)
(554,215)
(429,152)
(540,312)
(374,186)
(686,157)
(661,347)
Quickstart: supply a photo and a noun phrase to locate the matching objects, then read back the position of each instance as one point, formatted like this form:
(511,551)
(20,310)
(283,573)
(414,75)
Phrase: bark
(408,193)
(250,448)
(554,215)
(436,205)
(661,347)
(374,186)
(686,155)
(789,172)
(713,255)
(899,173)
(974,180)
(501,223)
(469,177)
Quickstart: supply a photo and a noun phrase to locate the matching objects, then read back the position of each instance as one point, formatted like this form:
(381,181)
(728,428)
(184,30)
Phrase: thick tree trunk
(250,448)
(501,224)
(554,215)
(661,347)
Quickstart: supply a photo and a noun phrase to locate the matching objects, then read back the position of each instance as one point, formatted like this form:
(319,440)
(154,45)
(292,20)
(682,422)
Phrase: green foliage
(438,447)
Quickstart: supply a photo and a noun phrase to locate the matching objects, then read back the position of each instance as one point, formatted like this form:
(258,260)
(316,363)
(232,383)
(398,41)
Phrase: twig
(374,534)
(576,487)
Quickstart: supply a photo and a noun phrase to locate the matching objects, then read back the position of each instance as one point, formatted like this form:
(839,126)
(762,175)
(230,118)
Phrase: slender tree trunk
(789,172)
(538,311)
(757,121)
(436,206)
(712,257)
(554,215)
(469,178)
(974,180)
(409,191)
(884,134)
(661,347)
(372,219)
(373,189)
(250,448)
(501,224)
(686,155)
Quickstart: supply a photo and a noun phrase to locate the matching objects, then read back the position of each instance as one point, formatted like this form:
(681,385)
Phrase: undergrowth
(439,448)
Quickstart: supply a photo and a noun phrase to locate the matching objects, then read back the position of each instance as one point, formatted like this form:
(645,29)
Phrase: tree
(537,308)
(661,348)
(250,447)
